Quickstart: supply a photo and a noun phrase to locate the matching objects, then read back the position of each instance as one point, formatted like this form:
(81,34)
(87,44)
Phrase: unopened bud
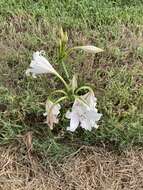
(74,82)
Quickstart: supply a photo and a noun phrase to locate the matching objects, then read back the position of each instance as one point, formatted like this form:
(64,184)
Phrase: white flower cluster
(83,112)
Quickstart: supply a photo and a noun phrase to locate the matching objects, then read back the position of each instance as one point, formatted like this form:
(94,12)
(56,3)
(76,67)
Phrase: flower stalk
(65,70)
(63,81)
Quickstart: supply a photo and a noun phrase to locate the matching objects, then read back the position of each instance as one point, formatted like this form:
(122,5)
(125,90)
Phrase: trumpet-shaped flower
(52,112)
(84,113)
(40,65)
(89,49)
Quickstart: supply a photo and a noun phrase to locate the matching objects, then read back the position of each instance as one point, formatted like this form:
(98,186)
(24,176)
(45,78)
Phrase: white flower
(40,65)
(89,49)
(52,112)
(84,113)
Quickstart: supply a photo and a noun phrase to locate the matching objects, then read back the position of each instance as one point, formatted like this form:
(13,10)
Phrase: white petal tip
(34,76)
(69,129)
(45,114)
(27,72)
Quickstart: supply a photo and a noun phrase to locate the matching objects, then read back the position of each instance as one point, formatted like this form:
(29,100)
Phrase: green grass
(116,75)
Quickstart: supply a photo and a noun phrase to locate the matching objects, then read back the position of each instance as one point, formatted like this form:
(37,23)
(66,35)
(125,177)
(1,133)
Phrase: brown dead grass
(88,169)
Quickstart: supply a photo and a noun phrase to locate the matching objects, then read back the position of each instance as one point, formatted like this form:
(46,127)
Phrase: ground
(88,168)
(111,155)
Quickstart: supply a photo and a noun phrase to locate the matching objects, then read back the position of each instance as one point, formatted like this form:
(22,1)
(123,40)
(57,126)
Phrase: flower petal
(56,109)
(93,115)
(74,122)
(40,65)
(68,115)
(85,124)
(52,112)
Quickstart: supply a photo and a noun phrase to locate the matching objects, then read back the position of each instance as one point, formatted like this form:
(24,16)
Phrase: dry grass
(88,169)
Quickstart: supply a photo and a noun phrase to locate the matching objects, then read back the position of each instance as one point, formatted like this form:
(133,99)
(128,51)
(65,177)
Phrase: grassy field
(116,75)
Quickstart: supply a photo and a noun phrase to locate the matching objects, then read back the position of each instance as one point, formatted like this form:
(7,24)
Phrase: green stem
(62,55)
(59,91)
(63,81)
(84,88)
(65,70)
(51,136)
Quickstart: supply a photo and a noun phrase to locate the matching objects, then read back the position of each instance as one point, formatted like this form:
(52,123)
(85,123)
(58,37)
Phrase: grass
(116,75)
(87,169)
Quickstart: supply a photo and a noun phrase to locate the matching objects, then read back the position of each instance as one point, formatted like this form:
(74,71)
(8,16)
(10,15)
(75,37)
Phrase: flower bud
(74,82)
(63,35)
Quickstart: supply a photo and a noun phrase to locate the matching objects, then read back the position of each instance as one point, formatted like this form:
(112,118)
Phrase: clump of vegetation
(83,112)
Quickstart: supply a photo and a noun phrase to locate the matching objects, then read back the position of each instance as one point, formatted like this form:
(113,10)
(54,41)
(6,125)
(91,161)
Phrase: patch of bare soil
(87,169)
